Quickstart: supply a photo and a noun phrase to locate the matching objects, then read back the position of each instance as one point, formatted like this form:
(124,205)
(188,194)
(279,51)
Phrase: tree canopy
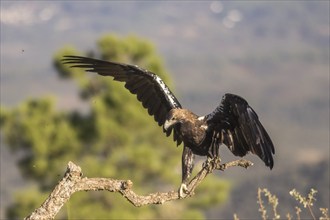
(114,138)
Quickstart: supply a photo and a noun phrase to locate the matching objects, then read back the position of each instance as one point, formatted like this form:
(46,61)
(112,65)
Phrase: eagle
(233,122)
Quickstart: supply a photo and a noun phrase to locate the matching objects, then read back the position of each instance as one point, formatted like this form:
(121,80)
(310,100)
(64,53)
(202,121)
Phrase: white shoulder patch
(201,118)
(169,96)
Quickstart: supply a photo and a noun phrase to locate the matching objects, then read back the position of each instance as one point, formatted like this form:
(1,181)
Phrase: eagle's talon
(207,163)
(211,163)
(183,191)
(217,160)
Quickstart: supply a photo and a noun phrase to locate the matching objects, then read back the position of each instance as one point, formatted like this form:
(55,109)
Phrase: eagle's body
(233,123)
(192,130)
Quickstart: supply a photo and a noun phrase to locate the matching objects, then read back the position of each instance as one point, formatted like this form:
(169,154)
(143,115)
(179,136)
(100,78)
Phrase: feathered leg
(215,144)
(187,167)
(213,156)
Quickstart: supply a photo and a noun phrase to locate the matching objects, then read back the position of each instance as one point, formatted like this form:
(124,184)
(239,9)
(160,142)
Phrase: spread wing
(149,88)
(238,127)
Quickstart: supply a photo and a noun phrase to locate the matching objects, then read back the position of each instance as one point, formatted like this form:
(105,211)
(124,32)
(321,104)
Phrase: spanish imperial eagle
(233,123)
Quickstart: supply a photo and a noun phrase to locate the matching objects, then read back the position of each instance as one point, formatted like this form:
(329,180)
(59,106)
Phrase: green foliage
(43,135)
(116,138)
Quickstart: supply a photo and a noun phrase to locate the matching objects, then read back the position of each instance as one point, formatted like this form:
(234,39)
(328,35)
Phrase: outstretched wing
(149,88)
(238,127)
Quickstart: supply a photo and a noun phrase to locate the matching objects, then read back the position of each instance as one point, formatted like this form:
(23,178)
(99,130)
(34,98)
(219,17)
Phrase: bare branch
(73,182)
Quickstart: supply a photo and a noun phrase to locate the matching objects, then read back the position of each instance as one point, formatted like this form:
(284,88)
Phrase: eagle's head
(177,115)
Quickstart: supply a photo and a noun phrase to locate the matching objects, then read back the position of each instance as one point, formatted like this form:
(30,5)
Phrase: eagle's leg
(187,166)
(213,157)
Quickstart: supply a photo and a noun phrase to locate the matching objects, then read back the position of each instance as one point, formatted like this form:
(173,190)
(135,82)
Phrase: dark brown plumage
(233,123)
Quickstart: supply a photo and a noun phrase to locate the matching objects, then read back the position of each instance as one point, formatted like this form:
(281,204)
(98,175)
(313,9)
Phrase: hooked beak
(168,124)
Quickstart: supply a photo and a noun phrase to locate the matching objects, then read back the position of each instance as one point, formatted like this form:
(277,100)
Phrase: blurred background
(273,53)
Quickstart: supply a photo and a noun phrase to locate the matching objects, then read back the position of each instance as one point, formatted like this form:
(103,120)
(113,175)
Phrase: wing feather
(135,84)
(241,128)
(149,88)
(146,99)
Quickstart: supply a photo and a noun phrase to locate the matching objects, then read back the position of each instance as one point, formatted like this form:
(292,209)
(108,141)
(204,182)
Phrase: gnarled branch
(73,181)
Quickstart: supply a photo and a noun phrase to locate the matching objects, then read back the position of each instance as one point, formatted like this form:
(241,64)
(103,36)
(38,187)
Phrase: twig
(73,182)
(261,205)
